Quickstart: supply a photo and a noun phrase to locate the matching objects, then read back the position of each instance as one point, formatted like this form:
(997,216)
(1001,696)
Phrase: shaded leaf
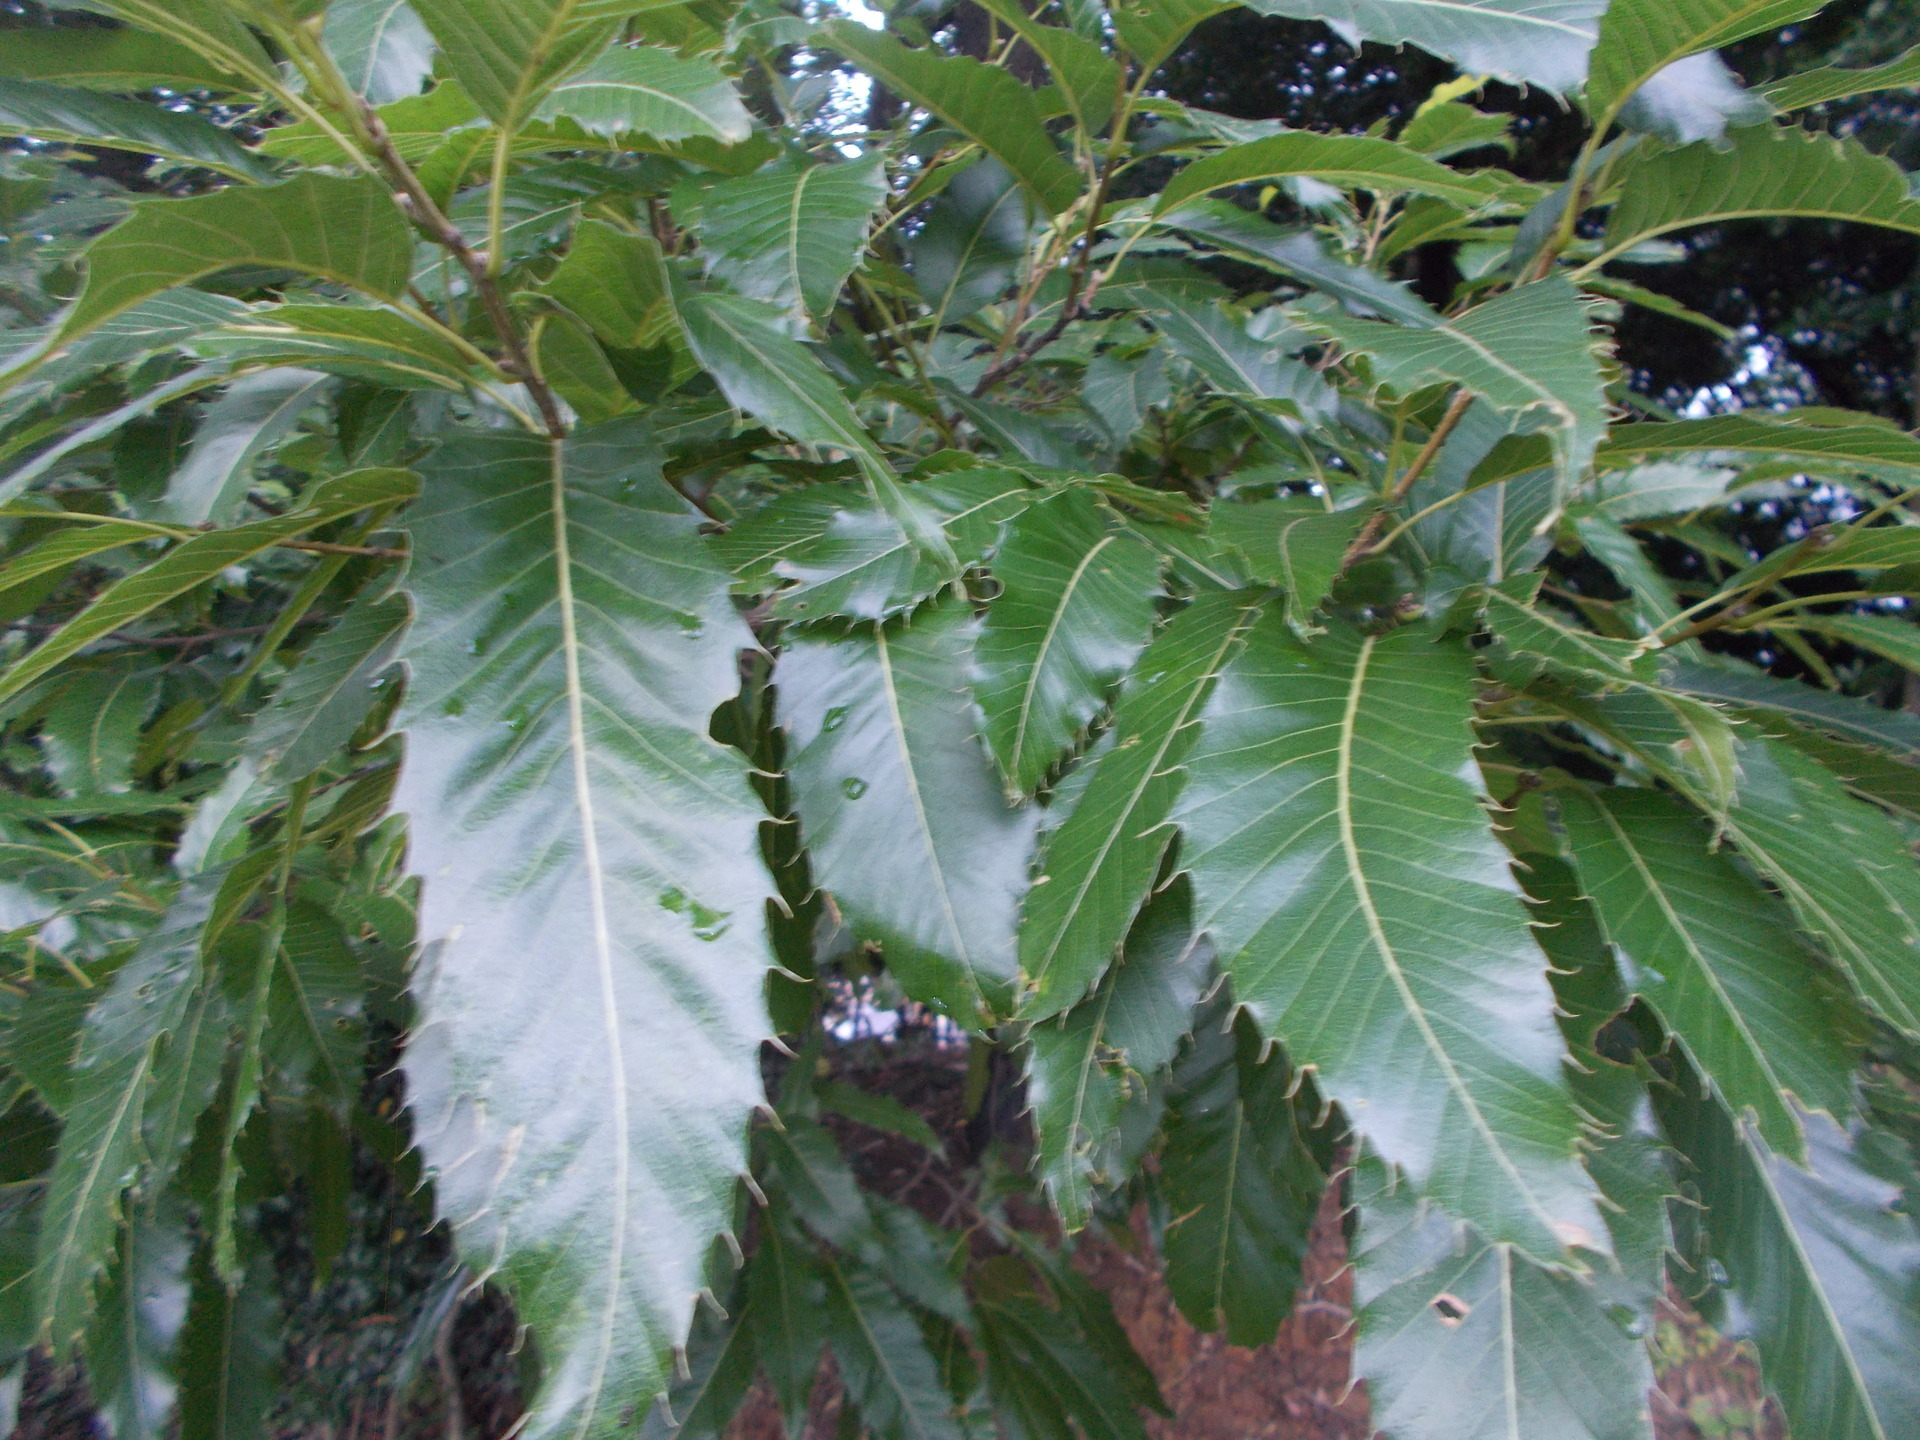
(1241,1186)
(846,556)
(194,562)
(1295,542)
(1715,956)
(1082,1068)
(1824,1262)
(1528,352)
(41,111)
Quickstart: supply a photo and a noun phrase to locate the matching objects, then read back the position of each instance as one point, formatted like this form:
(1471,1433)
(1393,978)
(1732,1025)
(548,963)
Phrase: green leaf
(1299,256)
(1219,344)
(100,1148)
(762,370)
(1640,38)
(1717,958)
(1818,87)
(249,418)
(382,347)
(1088,78)
(1842,866)
(1042,1373)
(1744,688)
(890,1379)
(1749,440)
(1098,865)
(1527,630)
(617,283)
(230,1353)
(383,49)
(848,557)
(1153,29)
(115,60)
(1626,1157)
(787,236)
(1892,636)
(1352,162)
(786,1297)
(879,1112)
(1075,605)
(1528,352)
(1460,1339)
(1521,42)
(347,231)
(1294,542)
(1766,170)
(1442,131)
(194,562)
(1240,1184)
(613,837)
(41,111)
(214,31)
(1646,492)
(1082,1068)
(902,816)
(91,729)
(1824,1262)
(572,362)
(652,91)
(418,126)
(1389,951)
(974,241)
(510,53)
(130,1349)
(985,103)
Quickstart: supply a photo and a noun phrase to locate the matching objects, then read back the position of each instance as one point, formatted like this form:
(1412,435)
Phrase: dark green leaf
(985,103)
(1100,862)
(52,112)
(347,231)
(1824,1262)
(1241,1186)
(1083,1067)
(1716,957)
(903,819)
(1075,604)
(1295,542)
(1389,951)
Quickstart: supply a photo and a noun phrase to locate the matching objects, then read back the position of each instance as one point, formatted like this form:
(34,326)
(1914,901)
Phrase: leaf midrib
(912,776)
(1046,644)
(1678,927)
(1363,894)
(620,1200)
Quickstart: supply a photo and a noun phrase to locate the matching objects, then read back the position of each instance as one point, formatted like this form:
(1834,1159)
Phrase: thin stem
(1729,620)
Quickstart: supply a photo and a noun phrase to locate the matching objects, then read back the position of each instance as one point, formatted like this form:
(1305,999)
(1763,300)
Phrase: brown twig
(1449,422)
(420,206)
